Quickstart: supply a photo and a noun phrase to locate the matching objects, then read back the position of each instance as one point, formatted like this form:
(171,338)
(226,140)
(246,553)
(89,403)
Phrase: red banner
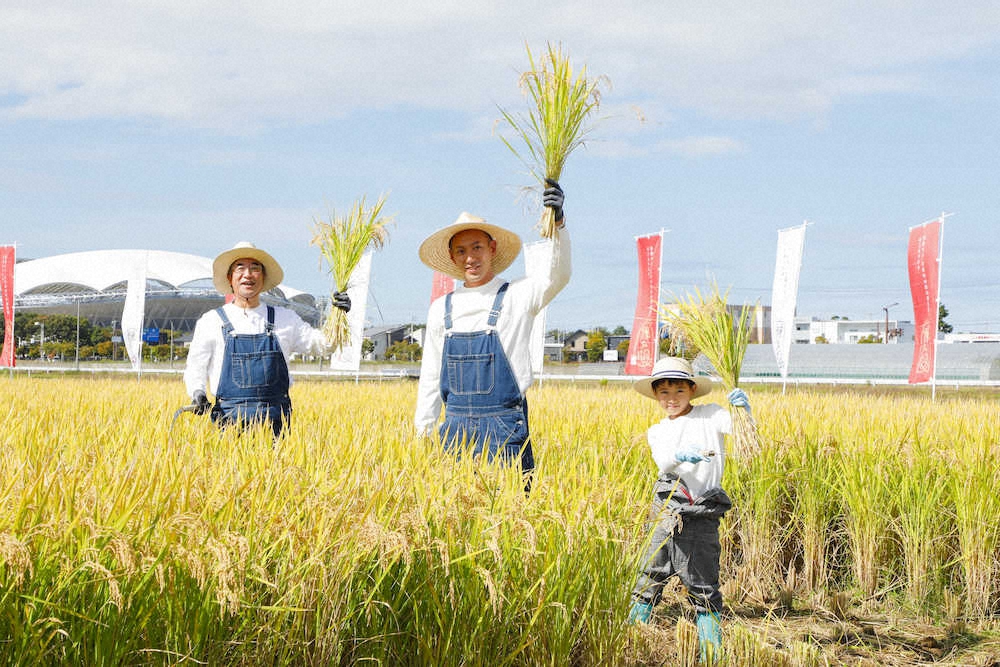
(922,260)
(7,293)
(643,346)
(442,285)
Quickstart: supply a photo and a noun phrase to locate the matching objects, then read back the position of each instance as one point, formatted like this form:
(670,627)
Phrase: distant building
(575,345)
(385,337)
(971,338)
(844,331)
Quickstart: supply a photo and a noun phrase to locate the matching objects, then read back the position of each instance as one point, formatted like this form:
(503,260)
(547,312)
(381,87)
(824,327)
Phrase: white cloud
(700,146)
(237,65)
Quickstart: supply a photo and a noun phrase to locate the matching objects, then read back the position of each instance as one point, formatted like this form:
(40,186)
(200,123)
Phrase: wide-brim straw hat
(673,368)
(273,275)
(434,251)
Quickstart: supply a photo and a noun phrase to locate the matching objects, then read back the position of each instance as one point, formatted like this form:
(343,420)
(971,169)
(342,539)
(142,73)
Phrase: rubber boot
(709,637)
(641,612)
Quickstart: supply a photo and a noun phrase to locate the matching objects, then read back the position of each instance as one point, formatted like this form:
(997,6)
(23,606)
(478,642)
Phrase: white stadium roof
(104,270)
(178,287)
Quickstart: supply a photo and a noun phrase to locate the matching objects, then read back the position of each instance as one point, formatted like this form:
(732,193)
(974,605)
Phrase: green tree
(367,347)
(943,326)
(623,350)
(822,340)
(620,331)
(403,351)
(870,338)
(596,344)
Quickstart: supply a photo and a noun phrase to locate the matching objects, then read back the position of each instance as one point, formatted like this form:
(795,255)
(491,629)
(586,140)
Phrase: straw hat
(273,275)
(434,251)
(673,368)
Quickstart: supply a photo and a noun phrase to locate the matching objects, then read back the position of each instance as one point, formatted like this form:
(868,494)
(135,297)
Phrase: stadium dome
(178,287)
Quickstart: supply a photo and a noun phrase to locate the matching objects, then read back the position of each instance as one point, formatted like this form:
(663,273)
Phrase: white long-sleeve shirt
(702,429)
(470,310)
(204,361)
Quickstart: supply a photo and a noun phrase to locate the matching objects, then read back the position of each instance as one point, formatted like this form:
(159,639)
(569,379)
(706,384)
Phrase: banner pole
(937,307)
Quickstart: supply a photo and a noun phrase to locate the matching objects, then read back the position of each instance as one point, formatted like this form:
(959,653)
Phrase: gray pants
(685,543)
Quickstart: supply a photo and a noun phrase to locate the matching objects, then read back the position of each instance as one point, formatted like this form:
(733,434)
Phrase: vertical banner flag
(134,311)
(537,259)
(7,294)
(442,285)
(348,357)
(784,293)
(643,346)
(923,262)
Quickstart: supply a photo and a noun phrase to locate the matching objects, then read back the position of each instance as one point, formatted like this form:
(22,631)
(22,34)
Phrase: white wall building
(851,331)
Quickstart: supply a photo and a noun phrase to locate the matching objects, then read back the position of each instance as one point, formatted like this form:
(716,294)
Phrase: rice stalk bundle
(558,119)
(342,241)
(707,321)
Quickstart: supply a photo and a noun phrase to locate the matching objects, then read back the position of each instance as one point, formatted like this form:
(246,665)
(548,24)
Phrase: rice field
(865,532)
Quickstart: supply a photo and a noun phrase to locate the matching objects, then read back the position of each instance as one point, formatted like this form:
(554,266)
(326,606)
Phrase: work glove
(342,301)
(690,455)
(739,398)
(552,197)
(200,400)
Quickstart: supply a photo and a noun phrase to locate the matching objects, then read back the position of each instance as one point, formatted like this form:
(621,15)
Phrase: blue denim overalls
(484,408)
(254,381)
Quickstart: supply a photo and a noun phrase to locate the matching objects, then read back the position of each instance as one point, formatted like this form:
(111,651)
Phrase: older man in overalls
(241,349)
(476,357)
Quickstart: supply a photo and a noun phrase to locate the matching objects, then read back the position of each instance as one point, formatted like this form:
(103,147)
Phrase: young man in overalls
(476,357)
(241,349)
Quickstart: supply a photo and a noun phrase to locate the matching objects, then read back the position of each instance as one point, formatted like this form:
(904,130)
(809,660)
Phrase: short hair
(672,381)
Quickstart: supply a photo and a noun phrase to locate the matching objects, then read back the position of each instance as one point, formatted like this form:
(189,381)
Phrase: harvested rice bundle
(558,120)
(342,242)
(708,323)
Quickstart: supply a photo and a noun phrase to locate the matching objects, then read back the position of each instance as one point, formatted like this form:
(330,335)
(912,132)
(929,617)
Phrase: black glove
(552,197)
(342,301)
(200,400)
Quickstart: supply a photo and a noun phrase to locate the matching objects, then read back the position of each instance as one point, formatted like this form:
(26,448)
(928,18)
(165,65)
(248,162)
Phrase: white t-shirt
(470,311)
(702,429)
(204,360)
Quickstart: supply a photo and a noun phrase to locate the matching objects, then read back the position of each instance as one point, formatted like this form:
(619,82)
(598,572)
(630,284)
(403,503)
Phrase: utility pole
(886,309)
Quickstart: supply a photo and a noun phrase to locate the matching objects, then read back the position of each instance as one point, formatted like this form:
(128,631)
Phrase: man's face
(246,277)
(472,251)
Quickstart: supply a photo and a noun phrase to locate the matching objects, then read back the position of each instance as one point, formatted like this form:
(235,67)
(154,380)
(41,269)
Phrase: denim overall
(484,408)
(254,381)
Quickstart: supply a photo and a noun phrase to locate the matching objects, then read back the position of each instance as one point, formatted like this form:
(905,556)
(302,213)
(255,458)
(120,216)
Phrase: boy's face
(674,397)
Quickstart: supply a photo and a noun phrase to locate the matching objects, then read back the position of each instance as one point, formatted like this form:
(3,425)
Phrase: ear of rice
(342,241)
(557,121)
(706,321)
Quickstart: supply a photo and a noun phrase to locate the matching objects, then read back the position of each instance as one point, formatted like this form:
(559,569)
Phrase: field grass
(865,530)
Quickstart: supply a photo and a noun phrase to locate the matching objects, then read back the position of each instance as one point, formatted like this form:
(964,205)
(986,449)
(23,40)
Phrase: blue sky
(188,126)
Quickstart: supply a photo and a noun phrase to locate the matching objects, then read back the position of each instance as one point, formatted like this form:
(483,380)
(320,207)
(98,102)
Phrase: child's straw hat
(273,275)
(673,368)
(434,251)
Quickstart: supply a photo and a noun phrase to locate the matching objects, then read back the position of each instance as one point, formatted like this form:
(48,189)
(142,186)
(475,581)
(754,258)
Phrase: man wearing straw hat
(239,351)
(476,357)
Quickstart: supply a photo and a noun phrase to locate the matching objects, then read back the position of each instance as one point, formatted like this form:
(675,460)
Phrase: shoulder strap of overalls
(497,305)
(227,326)
(269,328)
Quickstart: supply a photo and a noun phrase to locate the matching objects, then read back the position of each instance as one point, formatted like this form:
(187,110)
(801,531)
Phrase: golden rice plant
(561,103)
(342,241)
(707,321)
(124,540)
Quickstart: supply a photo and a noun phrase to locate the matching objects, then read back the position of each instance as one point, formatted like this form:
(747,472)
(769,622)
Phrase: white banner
(348,357)
(134,311)
(784,293)
(537,259)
